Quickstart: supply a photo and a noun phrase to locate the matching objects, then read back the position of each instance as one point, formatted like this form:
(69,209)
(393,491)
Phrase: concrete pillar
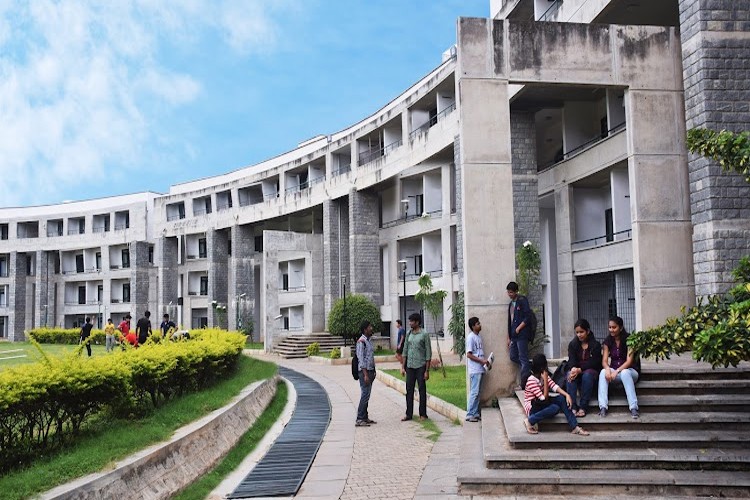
(487,188)
(662,249)
(715,40)
(335,250)
(364,246)
(17,296)
(566,281)
(241,277)
(217,243)
(42,290)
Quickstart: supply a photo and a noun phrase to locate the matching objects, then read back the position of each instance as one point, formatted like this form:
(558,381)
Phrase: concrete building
(562,123)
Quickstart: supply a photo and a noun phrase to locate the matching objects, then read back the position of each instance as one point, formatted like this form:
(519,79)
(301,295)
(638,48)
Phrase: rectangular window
(3,267)
(202,253)
(98,261)
(204,285)
(151,254)
(99,293)
(125,258)
(3,296)
(3,231)
(126,292)
(285,282)
(79,263)
(29,265)
(81,294)
(259,243)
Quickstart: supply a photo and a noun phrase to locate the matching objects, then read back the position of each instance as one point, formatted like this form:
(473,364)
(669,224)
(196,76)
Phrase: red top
(132,338)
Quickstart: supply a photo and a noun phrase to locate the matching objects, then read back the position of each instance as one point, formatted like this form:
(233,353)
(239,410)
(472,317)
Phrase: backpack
(355,364)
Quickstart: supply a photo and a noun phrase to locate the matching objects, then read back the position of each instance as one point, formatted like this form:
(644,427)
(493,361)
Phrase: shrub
(335,353)
(69,336)
(313,349)
(358,309)
(457,326)
(43,404)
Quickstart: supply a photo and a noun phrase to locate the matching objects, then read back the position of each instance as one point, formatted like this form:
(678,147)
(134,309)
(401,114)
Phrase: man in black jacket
(519,314)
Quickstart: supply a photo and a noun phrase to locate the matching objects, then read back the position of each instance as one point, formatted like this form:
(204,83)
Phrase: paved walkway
(388,460)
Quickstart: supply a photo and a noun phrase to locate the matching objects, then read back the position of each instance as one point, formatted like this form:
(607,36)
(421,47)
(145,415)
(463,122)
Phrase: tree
(457,326)
(432,302)
(358,309)
(529,264)
(731,150)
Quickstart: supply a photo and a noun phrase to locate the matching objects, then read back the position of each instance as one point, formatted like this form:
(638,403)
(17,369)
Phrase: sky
(106,98)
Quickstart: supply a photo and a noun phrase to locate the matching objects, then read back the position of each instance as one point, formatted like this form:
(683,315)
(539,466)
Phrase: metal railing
(305,185)
(342,169)
(100,229)
(410,217)
(223,206)
(53,234)
(270,196)
(374,154)
(602,240)
(120,227)
(432,121)
(177,216)
(294,289)
(551,11)
(586,145)
(72,231)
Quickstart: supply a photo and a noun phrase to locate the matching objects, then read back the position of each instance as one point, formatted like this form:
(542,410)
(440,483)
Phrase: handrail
(593,242)
(549,12)
(586,145)
(342,169)
(402,220)
(433,121)
(373,154)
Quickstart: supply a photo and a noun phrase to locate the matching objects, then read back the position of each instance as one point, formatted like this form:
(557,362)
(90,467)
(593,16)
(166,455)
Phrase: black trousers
(416,375)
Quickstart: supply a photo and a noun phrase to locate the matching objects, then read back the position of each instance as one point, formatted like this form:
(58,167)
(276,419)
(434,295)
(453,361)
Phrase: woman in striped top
(539,404)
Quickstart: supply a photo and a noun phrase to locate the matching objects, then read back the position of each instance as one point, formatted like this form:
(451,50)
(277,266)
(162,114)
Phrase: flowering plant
(529,267)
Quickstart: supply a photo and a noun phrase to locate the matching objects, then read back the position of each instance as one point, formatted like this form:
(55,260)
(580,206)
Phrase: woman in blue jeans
(584,364)
(620,364)
(539,404)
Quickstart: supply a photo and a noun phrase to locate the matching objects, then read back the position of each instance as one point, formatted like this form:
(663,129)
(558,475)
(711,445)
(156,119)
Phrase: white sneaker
(490,360)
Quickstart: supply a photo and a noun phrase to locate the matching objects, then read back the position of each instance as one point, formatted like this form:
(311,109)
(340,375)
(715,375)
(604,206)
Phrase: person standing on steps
(366,358)
(519,318)
(416,366)
(476,364)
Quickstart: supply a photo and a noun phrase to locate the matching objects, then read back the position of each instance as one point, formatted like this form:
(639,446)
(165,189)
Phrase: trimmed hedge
(43,404)
(65,335)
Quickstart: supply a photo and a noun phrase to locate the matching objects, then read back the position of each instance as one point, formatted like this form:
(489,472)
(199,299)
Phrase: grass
(432,428)
(384,352)
(247,443)
(254,345)
(104,440)
(10,355)
(451,389)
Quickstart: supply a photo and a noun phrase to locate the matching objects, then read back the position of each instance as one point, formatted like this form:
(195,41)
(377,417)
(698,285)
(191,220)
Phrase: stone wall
(715,50)
(217,243)
(364,246)
(17,296)
(335,249)
(139,278)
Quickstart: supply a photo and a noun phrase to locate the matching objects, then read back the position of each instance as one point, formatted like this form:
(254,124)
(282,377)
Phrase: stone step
(674,402)
(499,452)
(693,386)
(634,436)
(536,479)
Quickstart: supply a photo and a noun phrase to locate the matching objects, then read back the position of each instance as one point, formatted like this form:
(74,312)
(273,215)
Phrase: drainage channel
(283,468)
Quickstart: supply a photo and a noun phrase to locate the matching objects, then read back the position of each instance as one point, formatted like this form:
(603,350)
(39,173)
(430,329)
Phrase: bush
(358,309)
(69,336)
(457,326)
(313,349)
(43,404)
(335,353)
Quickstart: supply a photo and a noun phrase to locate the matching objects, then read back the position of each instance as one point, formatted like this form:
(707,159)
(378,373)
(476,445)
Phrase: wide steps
(295,346)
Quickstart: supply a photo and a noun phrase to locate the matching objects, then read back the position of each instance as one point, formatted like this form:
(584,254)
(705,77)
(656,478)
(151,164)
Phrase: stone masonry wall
(241,276)
(364,245)
(335,250)
(459,209)
(139,279)
(17,296)
(42,288)
(168,274)
(525,188)
(716,72)
(217,243)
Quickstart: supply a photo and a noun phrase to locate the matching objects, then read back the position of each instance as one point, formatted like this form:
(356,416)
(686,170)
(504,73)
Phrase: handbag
(560,372)
(539,404)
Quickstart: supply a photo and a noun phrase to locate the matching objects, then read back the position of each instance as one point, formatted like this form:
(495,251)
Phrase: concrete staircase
(693,438)
(294,346)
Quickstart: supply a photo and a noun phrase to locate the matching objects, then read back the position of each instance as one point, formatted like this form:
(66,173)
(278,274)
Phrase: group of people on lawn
(122,333)
(589,364)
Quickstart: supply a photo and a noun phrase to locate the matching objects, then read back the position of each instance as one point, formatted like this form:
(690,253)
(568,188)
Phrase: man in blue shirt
(366,357)
(519,314)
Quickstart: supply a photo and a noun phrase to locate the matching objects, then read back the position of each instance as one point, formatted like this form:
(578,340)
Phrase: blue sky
(106,98)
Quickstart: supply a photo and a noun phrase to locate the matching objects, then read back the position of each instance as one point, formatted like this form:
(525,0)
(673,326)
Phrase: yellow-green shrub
(64,335)
(42,404)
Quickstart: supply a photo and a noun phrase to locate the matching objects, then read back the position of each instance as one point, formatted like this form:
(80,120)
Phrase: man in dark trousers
(519,314)
(143,328)
(366,357)
(86,333)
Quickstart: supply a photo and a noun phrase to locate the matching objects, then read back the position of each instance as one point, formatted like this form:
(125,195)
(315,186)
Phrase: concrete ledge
(444,408)
(163,469)
(323,360)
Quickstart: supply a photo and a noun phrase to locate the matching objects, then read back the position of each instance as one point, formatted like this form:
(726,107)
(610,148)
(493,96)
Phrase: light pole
(343,287)
(238,317)
(405,203)
(403,263)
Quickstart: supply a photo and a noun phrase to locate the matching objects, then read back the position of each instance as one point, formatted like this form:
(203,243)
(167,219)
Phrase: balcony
(373,154)
(341,170)
(411,217)
(432,122)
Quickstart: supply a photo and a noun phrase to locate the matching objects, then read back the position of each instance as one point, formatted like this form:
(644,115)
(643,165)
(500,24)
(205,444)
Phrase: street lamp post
(403,263)
(343,286)
(238,316)
(405,203)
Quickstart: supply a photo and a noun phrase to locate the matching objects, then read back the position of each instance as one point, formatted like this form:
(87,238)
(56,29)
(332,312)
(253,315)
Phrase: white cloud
(79,79)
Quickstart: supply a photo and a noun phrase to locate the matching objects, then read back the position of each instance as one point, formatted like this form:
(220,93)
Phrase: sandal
(531,429)
(580,431)
(580,413)
(404,419)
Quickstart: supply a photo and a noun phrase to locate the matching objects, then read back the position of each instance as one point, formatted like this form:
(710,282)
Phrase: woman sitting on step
(619,364)
(539,404)
(584,364)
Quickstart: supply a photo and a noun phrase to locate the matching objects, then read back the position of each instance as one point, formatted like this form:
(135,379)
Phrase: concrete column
(42,291)
(364,246)
(459,209)
(335,250)
(217,243)
(241,277)
(487,188)
(17,296)
(715,39)
(662,249)
(566,281)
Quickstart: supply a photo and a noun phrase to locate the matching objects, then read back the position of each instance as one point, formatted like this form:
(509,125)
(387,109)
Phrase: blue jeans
(627,378)
(583,383)
(557,403)
(366,390)
(519,354)
(472,403)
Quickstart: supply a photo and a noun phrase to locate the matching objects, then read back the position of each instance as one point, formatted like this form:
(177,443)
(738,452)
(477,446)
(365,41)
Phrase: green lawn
(104,440)
(384,352)
(451,389)
(21,353)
